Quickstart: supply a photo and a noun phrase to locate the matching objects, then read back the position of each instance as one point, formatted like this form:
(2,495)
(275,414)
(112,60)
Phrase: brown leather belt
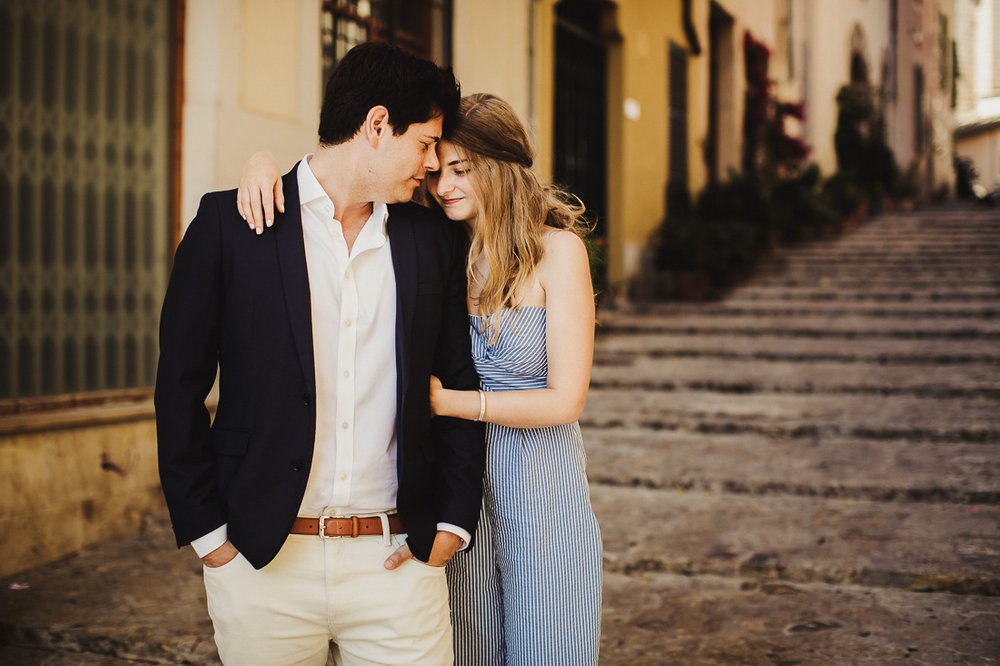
(349,526)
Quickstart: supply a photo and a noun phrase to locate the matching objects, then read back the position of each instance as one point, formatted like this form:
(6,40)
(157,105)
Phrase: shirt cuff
(455,529)
(206,544)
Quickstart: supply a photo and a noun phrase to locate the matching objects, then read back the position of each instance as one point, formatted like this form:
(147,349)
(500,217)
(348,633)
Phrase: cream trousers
(321,590)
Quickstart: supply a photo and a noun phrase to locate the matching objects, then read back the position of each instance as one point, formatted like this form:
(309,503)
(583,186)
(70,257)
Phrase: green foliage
(779,197)
(597,254)
(865,162)
(798,210)
(843,194)
(721,237)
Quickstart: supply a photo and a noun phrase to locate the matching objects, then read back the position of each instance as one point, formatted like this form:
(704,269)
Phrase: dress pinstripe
(529,592)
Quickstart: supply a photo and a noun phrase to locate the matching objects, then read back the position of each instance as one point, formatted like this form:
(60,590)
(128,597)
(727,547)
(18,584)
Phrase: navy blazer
(240,303)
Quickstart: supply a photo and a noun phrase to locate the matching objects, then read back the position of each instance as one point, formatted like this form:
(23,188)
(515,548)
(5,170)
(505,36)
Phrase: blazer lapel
(294,276)
(403,247)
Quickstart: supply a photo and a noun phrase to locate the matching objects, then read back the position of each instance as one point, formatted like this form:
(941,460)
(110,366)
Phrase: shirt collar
(310,191)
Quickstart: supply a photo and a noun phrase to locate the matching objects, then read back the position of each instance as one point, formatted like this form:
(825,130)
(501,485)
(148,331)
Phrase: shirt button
(348,323)
(345,425)
(343,476)
(347,374)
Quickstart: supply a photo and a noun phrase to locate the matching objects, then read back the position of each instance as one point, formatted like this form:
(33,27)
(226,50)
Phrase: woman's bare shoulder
(565,258)
(563,244)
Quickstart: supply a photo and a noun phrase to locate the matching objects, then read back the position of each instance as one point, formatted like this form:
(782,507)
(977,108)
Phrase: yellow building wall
(647,28)
(65,488)
(252,81)
(490,50)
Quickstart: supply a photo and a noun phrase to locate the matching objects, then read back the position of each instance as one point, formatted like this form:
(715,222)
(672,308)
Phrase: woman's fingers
(279,196)
(257,210)
(267,203)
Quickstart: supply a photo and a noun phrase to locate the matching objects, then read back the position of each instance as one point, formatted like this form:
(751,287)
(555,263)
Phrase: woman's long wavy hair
(514,206)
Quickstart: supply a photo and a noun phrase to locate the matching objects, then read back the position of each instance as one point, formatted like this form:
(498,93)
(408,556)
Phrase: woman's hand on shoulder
(260,191)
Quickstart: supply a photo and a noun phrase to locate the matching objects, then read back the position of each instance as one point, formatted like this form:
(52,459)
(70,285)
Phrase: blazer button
(305,400)
(296,465)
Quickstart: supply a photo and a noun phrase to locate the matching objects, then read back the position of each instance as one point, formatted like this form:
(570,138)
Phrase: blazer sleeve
(190,327)
(460,443)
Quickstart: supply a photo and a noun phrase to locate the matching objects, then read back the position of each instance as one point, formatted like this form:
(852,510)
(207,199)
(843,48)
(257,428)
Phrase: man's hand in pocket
(224,554)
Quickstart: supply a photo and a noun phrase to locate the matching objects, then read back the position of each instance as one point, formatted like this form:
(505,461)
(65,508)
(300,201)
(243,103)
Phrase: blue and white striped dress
(529,592)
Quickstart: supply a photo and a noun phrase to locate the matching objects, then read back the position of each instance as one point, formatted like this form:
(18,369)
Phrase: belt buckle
(355,527)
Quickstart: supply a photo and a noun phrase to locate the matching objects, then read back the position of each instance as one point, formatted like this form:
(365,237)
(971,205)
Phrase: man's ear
(376,125)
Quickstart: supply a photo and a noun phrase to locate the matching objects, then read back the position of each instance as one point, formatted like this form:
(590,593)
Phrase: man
(326,330)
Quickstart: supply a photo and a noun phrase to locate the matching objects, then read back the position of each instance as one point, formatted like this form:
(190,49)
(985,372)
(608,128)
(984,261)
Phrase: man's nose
(431,162)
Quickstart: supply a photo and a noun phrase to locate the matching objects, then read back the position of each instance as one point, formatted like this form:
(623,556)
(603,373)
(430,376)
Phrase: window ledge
(74,410)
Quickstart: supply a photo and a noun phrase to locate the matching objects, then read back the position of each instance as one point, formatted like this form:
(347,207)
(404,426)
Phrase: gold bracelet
(482,406)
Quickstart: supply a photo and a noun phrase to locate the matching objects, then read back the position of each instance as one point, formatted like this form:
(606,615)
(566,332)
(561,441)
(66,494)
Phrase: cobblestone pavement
(807,472)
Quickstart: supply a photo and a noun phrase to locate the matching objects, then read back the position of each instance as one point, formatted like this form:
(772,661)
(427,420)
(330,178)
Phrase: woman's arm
(260,190)
(564,274)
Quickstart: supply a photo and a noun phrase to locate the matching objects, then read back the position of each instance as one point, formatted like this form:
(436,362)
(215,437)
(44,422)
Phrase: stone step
(852,283)
(751,376)
(780,297)
(754,464)
(922,547)
(725,384)
(975,246)
(817,328)
(661,618)
(902,312)
(806,417)
(943,275)
(890,263)
(984,348)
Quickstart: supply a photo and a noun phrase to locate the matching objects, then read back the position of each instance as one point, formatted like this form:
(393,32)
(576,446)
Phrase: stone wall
(65,486)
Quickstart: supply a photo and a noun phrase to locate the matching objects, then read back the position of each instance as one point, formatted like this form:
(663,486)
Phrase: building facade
(115,117)
(977,120)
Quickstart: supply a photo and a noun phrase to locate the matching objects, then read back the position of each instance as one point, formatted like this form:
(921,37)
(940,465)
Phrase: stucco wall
(252,81)
(648,27)
(826,57)
(984,150)
(66,488)
(491,50)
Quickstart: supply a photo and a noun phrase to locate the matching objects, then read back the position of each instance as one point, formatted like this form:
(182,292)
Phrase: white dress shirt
(353,302)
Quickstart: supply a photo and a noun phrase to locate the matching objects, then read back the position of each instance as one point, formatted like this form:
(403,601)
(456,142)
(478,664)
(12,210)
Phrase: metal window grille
(84,188)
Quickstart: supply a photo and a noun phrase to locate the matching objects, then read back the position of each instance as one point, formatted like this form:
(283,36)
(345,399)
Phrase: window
(84,193)
(677,127)
(422,27)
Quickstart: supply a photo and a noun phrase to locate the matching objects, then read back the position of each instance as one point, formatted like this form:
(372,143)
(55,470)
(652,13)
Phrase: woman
(529,591)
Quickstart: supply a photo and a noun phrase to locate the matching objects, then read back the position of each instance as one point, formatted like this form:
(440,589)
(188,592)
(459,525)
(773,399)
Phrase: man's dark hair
(373,74)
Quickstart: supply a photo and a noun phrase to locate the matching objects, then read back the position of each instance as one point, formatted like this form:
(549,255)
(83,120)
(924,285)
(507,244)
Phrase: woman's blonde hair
(514,206)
